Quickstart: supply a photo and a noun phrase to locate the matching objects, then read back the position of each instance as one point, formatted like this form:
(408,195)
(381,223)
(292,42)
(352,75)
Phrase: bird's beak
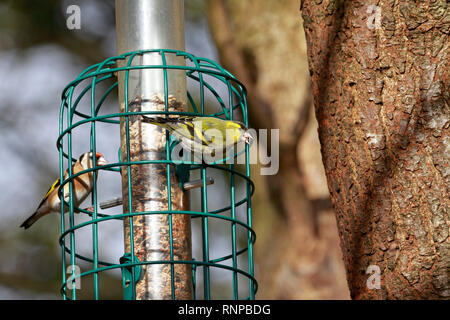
(247,138)
(101,161)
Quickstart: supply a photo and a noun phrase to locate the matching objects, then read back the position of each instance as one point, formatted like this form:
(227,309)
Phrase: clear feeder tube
(155,24)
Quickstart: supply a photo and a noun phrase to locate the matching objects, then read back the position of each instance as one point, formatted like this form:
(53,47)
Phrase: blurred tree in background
(297,253)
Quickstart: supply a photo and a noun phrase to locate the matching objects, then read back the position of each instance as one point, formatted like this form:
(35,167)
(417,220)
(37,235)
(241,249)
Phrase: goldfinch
(204,134)
(82,187)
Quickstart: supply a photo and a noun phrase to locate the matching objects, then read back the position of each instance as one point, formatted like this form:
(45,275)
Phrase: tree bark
(296,253)
(381,96)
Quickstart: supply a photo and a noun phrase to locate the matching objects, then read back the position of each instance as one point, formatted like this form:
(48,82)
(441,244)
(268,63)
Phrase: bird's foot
(90,209)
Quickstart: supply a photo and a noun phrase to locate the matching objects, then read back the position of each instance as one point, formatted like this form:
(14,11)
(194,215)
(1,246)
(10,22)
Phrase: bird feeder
(166,209)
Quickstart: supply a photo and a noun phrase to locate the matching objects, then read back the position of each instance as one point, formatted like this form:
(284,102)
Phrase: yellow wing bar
(53,187)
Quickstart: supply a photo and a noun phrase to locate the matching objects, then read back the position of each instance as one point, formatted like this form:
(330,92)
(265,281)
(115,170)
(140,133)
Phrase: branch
(233,58)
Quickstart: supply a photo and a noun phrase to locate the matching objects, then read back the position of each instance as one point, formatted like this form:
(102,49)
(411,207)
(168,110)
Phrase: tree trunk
(381,95)
(296,253)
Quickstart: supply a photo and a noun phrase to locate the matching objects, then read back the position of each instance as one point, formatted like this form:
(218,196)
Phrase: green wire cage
(85,106)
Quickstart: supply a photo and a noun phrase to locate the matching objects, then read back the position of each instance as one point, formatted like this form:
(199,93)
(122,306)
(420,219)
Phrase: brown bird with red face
(82,187)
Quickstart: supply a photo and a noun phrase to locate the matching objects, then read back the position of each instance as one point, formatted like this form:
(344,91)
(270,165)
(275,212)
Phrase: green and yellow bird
(204,134)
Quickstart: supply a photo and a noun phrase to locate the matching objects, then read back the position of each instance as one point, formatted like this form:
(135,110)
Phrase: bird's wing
(186,128)
(52,188)
(181,126)
(183,130)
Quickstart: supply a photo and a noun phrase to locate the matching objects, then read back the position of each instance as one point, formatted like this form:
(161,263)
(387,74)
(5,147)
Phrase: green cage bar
(83,103)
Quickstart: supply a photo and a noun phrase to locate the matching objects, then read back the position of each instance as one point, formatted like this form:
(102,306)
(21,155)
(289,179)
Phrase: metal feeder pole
(153,24)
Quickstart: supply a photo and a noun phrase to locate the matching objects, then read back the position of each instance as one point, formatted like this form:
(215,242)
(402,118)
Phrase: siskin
(82,187)
(204,134)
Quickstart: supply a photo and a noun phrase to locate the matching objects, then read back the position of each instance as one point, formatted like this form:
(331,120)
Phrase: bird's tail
(158,120)
(32,219)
